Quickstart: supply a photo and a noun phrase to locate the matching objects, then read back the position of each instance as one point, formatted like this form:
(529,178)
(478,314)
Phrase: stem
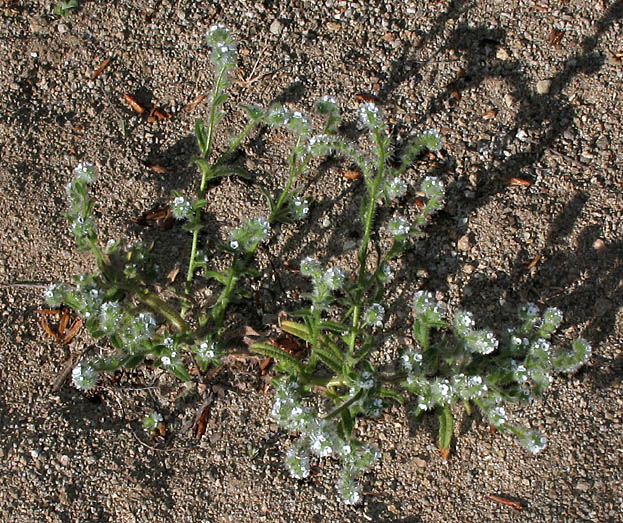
(161,307)
(204,176)
(223,300)
(295,171)
(373,192)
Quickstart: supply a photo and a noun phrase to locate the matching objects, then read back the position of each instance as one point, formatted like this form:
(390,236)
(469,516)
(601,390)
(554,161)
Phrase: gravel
(532,155)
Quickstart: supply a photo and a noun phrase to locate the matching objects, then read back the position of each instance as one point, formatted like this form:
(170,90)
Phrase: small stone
(599,245)
(62,28)
(543,86)
(334,26)
(469,269)
(582,486)
(502,54)
(419,462)
(276,27)
(464,243)
(509,100)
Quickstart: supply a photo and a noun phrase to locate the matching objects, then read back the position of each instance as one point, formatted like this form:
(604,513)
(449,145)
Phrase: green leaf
(202,136)
(219,277)
(347,424)
(131,360)
(202,163)
(228,169)
(446,428)
(180,372)
(297,329)
(276,353)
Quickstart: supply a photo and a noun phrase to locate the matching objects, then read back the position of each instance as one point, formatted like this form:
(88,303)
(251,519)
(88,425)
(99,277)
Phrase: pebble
(276,27)
(62,28)
(543,86)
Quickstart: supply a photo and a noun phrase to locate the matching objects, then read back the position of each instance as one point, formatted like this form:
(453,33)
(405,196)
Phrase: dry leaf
(133,103)
(363,97)
(505,501)
(555,37)
(490,114)
(173,274)
(194,103)
(445,453)
(101,68)
(352,174)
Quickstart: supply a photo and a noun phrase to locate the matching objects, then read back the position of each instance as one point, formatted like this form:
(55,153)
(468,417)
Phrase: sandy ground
(527,90)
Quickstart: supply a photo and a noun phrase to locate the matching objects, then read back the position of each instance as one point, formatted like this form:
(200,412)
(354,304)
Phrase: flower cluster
(249,235)
(319,437)
(325,282)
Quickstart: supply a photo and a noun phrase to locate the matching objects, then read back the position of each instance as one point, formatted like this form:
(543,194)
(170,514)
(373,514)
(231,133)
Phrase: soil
(527,97)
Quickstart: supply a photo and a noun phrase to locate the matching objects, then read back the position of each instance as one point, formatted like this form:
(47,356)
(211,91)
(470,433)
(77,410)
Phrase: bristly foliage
(320,394)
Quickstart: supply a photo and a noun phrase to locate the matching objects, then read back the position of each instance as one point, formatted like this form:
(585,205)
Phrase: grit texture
(527,97)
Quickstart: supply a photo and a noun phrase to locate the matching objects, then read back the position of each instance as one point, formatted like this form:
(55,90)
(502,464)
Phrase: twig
(26,285)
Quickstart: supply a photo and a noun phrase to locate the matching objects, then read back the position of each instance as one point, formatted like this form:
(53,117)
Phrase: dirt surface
(527,90)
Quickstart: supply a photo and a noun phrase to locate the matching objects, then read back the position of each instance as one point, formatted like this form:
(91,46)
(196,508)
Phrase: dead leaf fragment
(445,453)
(505,501)
(363,97)
(194,103)
(201,422)
(490,114)
(352,174)
(101,68)
(555,37)
(133,103)
(162,216)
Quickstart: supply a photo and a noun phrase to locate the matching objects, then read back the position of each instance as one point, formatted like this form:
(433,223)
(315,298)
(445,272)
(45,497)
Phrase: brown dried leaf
(173,274)
(505,501)
(63,323)
(363,97)
(201,422)
(72,332)
(194,103)
(352,174)
(490,114)
(555,37)
(445,453)
(48,329)
(101,68)
(133,103)
(534,262)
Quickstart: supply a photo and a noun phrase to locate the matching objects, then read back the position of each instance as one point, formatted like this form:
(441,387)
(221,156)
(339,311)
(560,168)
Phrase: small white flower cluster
(299,207)
(374,315)
(394,188)
(366,380)
(433,188)
(84,376)
(327,105)
(427,308)
(170,360)
(520,373)
(152,421)
(86,172)
(370,116)
(55,294)
(497,415)
(431,139)
(320,144)
(333,278)
(298,123)
(399,228)
(249,235)
(297,460)
(412,361)
(223,48)
(532,440)
(441,391)
(111,317)
(481,341)
(181,208)
(469,387)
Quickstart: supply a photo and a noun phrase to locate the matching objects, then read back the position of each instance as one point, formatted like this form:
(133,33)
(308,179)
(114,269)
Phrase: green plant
(321,395)
(66,8)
